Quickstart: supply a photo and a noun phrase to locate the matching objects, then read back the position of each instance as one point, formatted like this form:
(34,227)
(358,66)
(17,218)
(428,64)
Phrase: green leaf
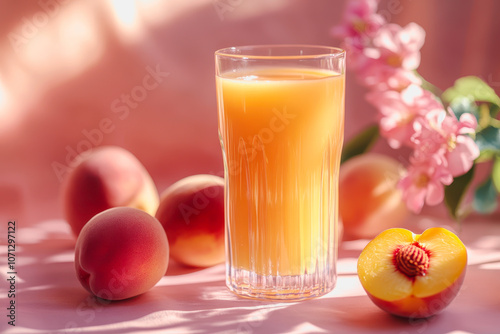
(485,197)
(488,139)
(473,88)
(455,192)
(494,110)
(463,105)
(495,173)
(488,142)
(486,155)
(360,143)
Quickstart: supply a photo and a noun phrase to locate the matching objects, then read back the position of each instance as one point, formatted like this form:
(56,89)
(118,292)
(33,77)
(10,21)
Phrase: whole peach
(369,200)
(120,253)
(192,213)
(108,176)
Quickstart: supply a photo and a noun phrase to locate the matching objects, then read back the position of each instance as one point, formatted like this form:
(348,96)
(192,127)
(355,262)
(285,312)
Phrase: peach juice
(281,131)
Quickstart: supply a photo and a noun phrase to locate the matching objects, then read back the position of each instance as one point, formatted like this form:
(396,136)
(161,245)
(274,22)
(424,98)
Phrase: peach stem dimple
(411,260)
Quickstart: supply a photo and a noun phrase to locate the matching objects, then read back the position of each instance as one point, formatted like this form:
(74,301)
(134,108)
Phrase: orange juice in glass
(281,120)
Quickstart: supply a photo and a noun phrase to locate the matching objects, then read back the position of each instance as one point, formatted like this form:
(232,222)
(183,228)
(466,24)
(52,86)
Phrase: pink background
(64,63)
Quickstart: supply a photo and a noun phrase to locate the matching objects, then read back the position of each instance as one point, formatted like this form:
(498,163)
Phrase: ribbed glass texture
(281,116)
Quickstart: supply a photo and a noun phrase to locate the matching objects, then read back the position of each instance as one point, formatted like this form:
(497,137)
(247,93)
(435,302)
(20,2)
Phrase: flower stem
(430,87)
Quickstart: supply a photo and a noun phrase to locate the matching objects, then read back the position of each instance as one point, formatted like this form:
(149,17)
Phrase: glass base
(283,288)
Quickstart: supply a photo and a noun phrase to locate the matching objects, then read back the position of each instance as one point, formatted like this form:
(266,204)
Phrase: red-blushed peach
(369,200)
(413,275)
(108,176)
(192,213)
(120,253)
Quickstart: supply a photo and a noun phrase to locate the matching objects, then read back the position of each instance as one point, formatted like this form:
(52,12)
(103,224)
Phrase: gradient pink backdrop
(64,65)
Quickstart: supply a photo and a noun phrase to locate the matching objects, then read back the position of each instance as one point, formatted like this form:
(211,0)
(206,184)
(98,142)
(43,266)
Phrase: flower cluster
(386,57)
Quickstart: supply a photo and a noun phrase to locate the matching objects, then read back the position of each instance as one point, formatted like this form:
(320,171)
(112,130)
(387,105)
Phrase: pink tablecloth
(49,299)
(65,64)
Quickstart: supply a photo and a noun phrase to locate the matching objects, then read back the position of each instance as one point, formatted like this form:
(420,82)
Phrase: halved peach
(413,275)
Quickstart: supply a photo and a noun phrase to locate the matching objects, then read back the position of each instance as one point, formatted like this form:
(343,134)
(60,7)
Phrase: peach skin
(192,214)
(121,253)
(369,200)
(108,176)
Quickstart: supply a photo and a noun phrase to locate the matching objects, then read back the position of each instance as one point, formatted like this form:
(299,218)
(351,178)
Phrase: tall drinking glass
(281,121)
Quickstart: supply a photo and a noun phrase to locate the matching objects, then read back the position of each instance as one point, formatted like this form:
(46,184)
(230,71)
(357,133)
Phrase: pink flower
(354,48)
(393,56)
(428,140)
(399,110)
(383,77)
(461,157)
(461,150)
(424,183)
(441,133)
(360,18)
(396,46)
(359,23)
(386,57)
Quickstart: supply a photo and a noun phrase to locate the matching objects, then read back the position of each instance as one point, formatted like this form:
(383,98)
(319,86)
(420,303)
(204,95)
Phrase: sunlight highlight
(125,11)
(6,118)
(126,14)
(65,47)
(3,97)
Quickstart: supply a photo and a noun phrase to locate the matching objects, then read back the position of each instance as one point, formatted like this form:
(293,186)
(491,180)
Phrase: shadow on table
(199,302)
(51,300)
(176,269)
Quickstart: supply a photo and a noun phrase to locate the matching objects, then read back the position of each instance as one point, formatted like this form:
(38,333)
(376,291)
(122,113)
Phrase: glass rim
(248,51)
